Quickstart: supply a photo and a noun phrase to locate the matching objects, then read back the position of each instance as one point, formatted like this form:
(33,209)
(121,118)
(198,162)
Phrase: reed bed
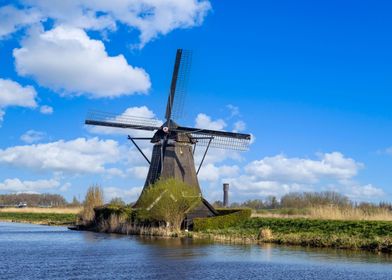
(350,213)
(120,224)
(332,213)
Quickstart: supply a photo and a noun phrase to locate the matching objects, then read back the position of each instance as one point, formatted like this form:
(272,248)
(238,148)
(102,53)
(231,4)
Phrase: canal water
(42,252)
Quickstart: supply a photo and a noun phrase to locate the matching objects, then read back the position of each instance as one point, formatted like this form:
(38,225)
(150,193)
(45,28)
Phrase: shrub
(223,221)
(265,234)
(94,198)
(167,201)
(117,201)
(104,212)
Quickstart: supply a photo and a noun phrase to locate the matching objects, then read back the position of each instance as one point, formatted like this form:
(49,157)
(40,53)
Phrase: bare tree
(94,198)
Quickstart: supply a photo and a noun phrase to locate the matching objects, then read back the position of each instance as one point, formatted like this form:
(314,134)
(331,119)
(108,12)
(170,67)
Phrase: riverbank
(356,235)
(236,226)
(55,219)
(367,236)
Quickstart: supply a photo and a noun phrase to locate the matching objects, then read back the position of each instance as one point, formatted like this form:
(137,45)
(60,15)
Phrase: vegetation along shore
(342,225)
(307,219)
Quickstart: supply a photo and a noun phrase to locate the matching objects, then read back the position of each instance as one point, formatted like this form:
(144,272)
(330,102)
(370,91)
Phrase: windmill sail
(177,95)
(122,121)
(219,139)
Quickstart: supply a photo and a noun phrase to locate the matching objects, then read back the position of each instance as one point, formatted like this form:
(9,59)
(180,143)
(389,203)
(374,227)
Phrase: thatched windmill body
(174,145)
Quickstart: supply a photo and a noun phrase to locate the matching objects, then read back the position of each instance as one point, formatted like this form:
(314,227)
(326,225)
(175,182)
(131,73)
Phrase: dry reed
(336,213)
(265,234)
(350,213)
(52,210)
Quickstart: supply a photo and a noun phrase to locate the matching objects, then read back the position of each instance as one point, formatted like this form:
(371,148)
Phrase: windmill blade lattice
(221,142)
(220,139)
(182,84)
(180,77)
(122,121)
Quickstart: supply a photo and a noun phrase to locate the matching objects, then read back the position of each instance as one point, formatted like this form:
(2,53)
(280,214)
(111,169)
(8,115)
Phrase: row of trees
(43,200)
(291,200)
(304,200)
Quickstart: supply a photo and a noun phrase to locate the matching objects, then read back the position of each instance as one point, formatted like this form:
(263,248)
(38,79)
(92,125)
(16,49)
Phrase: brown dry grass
(348,213)
(73,210)
(265,234)
(337,213)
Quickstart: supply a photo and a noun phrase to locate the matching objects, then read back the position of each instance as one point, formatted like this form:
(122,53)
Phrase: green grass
(227,218)
(39,218)
(287,225)
(366,235)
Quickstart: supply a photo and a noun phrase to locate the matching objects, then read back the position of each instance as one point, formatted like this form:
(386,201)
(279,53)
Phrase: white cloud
(65,187)
(249,186)
(12,19)
(14,94)
(75,156)
(150,17)
(356,191)
(280,175)
(32,136)
(139,172)
(115,172)
(366,191)
(128,195)
(330,165)
(16,185)
(66,60)
(239,126)
(142,112)
(213,173)
(234,110)
(205,121)
(46,110)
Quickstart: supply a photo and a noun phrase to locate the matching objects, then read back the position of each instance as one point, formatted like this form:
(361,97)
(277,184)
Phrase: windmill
(174,145)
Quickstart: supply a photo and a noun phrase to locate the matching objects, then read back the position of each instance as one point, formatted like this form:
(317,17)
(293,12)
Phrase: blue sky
(311,82)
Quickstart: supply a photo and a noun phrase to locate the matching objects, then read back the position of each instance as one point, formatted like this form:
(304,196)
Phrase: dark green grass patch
(227,219)
(364,235)
(368,229)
